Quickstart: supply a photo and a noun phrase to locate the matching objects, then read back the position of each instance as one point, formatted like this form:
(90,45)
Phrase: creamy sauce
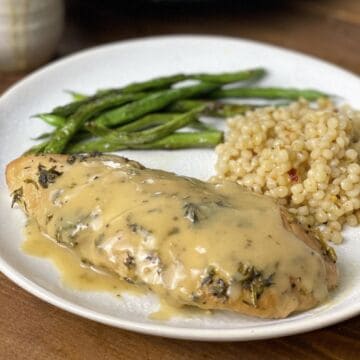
(191,242)
(81,277)
(73,273)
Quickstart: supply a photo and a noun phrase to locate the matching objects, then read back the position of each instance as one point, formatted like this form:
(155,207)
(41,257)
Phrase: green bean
(187,105)
(146,122)
(154,84)
(39,148)
(216,109)
(63,135)
(71,108)
(81,136)
(162,82)
(118,137)
(159,84)
(53,120)
(152,120)
(182,140)
(143,123)
(153,102)
(268,93)
(219,78)
(185,140)
(96,130)
(230,77)
(76,95)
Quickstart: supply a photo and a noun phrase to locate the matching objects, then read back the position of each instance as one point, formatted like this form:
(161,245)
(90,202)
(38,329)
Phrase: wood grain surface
(329,29)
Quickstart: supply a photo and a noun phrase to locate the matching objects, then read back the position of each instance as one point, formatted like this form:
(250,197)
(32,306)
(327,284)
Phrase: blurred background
(316,27)
(35,32)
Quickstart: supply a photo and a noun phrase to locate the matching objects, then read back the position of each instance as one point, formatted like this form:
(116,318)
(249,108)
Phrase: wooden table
(32,329)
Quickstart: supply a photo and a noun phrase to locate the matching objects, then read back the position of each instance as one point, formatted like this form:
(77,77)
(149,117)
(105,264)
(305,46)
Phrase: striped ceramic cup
(29,32)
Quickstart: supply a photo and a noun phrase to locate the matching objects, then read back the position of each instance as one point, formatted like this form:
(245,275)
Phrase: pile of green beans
(148,115)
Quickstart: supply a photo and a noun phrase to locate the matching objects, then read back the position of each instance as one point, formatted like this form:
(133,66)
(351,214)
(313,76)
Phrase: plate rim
(163,329)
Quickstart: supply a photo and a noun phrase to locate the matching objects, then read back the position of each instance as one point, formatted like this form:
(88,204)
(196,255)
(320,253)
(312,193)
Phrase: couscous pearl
(346,185)
(351,220)
(351,154)
(302,156)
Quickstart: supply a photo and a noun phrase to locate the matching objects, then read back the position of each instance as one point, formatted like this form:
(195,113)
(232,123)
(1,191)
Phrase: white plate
(117,64)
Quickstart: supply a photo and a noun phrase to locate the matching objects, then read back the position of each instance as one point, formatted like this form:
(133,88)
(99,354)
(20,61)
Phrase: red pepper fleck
(293,175)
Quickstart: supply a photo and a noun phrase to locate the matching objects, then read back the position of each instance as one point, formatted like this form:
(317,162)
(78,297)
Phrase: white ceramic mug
(29,32)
